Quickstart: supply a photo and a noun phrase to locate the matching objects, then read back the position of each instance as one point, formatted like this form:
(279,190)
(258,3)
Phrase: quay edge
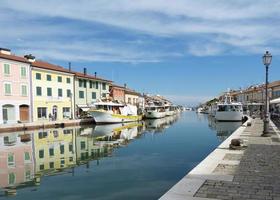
(42,125)
(187,187)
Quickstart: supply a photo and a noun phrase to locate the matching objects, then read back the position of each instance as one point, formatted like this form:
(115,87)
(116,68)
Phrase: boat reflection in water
(223,129)
(26,157)
(158,125)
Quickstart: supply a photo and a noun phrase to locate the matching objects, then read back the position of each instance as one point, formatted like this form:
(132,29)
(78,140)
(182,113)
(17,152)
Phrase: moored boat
(229,111)
(111,112)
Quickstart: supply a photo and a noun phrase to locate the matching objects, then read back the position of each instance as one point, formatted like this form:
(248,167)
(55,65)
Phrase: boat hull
(228,116)
(154,114)
(102,117)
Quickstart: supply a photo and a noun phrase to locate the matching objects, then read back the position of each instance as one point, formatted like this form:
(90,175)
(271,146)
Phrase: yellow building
(52,92)
(54,149)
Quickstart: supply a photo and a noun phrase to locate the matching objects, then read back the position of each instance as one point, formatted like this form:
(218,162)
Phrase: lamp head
(267,57)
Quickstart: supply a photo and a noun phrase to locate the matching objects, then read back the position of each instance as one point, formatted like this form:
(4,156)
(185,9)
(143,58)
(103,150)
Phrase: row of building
(35,90)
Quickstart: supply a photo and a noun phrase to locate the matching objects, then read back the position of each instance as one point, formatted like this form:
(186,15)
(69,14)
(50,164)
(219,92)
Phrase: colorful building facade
(89,89)
(52,92)
(15,97)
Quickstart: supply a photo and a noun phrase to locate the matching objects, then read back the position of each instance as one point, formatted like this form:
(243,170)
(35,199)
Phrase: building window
(49,92)
(62,149)
(96,85)
(51,165)
(11,160)
(43,134)
(90,84)
(7,69)
(103,86)
(68,80)
(28,175)
(69,93)
(41,153)
(66,112)
(70,147)
(85,83)
(42,167)
(27,156)
(8,88)
(60,92)
(55,133)
(23,72)
(49,77)
(42,112)
(103,95)
(59,79)
(38,91)
(24,90)
(51,151)
(12,178)
(80,83)
(83,145)
(93,95)
(38,76)
(81,94)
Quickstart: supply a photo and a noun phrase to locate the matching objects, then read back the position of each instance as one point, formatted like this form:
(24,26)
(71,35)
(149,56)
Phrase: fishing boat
(155,112)
(229,111)
(111,112)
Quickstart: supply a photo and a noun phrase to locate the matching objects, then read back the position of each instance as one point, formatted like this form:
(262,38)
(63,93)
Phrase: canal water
(129,161)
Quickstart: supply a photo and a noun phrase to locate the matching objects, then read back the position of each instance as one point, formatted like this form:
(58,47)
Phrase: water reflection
(26,157)
(158,125)
(223,129)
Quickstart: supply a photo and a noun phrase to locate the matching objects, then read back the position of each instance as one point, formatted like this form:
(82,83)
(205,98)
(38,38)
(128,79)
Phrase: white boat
(155,112)
(229,111)
(110,112)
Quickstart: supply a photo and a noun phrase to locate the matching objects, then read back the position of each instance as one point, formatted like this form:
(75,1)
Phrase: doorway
(24,113)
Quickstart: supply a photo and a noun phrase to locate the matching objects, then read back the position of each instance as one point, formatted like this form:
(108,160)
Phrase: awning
(83,107)
(275,101)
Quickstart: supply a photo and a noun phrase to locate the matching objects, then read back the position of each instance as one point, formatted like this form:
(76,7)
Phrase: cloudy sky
(187,50)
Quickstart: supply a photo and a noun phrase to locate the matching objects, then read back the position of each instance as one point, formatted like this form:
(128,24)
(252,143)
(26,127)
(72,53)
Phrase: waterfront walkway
(251,172)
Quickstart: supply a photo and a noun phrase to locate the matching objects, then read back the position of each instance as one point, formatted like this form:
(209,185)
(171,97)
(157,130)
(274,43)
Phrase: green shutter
(7,69)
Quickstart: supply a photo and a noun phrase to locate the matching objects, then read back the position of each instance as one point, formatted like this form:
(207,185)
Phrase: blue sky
(189,51)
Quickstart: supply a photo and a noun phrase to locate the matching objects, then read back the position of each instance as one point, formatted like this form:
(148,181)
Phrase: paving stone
(256,177)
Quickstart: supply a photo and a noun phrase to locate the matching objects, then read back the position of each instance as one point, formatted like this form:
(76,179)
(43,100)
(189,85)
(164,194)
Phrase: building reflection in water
(25,157)
(223,129)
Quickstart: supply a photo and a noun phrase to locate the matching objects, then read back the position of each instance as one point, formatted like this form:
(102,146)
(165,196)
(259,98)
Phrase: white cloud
(244,25)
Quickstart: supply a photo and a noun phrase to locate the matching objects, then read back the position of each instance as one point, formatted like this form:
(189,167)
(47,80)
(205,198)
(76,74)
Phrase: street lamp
(267,57)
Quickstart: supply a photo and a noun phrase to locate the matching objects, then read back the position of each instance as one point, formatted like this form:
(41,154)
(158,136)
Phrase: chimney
(69,66)
(125,85)
(5,51)
(95,74)
(85,71)
(30,58)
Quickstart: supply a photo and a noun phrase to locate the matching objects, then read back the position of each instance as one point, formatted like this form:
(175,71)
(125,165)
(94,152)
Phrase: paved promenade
(252,172)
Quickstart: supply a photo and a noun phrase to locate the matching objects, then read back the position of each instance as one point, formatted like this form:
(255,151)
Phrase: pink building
(15,88)
(16,161)
(117,93)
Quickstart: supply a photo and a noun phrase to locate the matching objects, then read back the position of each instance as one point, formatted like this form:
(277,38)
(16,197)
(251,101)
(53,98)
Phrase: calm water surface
(131,161)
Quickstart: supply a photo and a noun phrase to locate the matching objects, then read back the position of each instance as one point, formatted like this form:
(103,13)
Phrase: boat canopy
(108,104)
(275,101)
(229,107)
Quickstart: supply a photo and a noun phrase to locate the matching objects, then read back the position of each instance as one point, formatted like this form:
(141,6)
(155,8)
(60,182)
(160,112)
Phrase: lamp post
(267,57)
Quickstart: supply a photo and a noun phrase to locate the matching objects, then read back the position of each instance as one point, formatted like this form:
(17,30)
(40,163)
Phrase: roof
(49,66)
(132,92)
(117,86)
(88,76)
(14,58)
